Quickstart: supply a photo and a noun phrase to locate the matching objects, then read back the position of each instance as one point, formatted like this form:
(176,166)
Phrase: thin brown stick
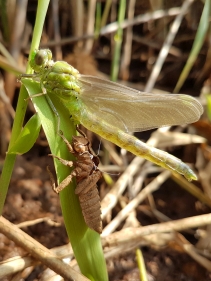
(127,234)
(38,251)
(154,185)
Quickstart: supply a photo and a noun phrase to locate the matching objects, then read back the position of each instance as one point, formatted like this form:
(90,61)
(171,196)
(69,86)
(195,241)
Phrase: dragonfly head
(80,144)
(39,59)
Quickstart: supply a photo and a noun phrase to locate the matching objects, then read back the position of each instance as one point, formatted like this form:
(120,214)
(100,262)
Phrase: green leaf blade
(27,137)
(85,242)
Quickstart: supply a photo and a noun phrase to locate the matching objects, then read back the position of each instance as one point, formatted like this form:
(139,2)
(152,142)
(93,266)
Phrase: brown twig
(38,251)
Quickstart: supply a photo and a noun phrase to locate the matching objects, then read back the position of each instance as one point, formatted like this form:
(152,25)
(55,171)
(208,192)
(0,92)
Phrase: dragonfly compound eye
(42,57)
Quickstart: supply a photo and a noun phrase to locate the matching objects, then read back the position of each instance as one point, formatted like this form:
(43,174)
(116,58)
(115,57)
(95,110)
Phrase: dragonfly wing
(132,110)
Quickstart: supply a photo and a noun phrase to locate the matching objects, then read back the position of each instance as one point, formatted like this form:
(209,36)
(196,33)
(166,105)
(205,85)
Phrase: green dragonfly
(113,111)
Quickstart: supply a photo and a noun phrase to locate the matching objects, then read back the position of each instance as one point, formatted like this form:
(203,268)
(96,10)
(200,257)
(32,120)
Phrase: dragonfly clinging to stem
(87,175)
(112,110)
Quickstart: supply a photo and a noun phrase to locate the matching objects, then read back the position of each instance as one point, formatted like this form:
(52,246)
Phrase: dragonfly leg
(44,92)
(81,132)
(54,111)
(25,75)
(34,96)
(63,184)
(64,162)
(69,146)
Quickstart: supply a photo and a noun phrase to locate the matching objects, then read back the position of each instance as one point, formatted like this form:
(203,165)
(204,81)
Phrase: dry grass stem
(15,264)
(167,139)
(111,198)
(125,235)
(36,221)
(112,27)
(192,251)
(112,152)
(154,185)
(167,44)
(192,189)
(38,251)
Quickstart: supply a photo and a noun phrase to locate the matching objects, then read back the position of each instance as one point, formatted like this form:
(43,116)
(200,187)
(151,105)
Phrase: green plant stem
(98,19)
(85,242)
(118,42)
(21,107)
(197,45)
(141,265)
(106,12)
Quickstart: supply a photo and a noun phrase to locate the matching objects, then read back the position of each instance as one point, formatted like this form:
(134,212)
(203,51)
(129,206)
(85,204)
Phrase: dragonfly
(113,111)
(87,175)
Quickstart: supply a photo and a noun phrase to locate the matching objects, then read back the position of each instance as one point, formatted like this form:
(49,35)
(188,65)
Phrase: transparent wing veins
(133,110)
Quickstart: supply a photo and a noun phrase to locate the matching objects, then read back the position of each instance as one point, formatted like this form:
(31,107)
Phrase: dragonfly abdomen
(90,200)
(134,145)
(172,163)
